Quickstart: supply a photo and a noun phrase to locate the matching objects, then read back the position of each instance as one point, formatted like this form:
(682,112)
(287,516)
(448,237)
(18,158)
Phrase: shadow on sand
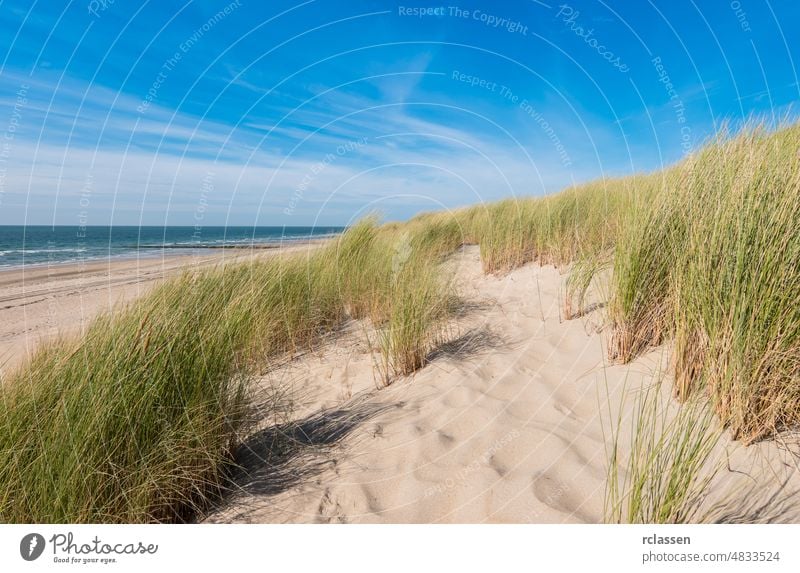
(472,343)
(281,457)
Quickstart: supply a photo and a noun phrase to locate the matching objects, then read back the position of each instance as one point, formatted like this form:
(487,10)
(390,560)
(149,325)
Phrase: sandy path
(503,426)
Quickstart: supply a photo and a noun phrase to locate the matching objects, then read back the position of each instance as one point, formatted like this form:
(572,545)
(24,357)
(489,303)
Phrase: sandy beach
(40,303)
(509,423)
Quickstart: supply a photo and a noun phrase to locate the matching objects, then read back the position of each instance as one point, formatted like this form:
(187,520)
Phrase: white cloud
(124,167)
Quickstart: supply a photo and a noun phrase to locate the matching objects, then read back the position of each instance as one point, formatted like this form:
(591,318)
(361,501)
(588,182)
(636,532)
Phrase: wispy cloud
(88,153)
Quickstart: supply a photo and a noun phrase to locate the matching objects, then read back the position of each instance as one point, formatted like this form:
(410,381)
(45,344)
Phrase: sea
(24,245)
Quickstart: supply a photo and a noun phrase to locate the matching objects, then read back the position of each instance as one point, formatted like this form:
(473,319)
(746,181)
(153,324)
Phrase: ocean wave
(40,251)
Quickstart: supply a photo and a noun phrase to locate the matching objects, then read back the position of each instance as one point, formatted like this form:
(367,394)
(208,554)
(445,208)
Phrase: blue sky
(316,112)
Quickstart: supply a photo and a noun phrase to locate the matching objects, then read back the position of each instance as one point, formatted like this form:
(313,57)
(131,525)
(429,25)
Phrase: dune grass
(414,325)
(738,287)
(643,257)
(135,421)
(661,466)
(713,264)
(705,254)
(558,229)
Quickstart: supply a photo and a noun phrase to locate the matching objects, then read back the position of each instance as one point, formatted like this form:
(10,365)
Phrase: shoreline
(171,251)
(41,302)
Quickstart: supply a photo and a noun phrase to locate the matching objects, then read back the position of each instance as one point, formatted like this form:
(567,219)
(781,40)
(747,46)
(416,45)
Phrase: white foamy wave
(40,251)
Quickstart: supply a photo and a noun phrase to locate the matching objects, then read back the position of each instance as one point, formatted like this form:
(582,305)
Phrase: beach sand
(509,422)
(40,303)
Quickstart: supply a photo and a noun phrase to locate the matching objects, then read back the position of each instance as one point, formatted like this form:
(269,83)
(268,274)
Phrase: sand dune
(504,425)
(509,422)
